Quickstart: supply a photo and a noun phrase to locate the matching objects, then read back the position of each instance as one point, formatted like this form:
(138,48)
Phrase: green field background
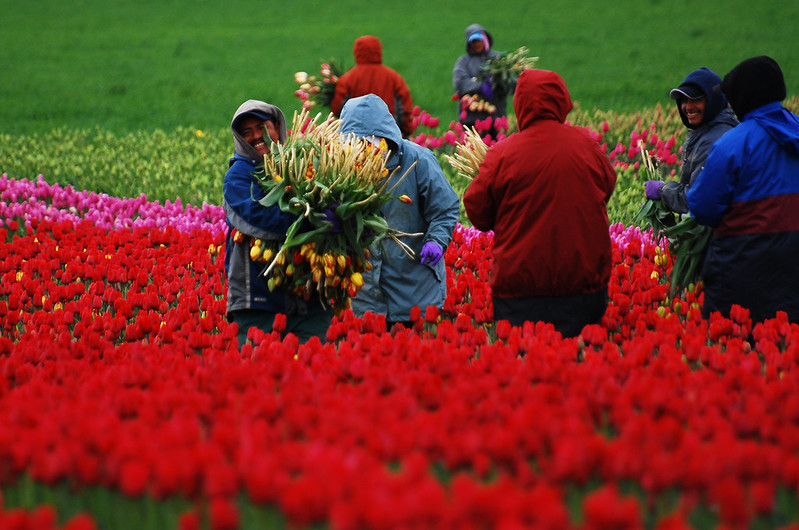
(142,65)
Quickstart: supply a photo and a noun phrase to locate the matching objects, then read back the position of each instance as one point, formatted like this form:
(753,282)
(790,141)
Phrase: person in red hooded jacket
(544,192)
(371,76)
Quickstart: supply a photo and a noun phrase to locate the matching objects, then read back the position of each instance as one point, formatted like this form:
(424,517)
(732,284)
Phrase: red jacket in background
(544,192)
(371,76)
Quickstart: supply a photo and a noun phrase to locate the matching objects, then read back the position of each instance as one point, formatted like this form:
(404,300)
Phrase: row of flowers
(120,371)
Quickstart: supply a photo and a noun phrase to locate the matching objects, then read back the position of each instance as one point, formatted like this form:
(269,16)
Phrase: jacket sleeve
(710,195)
(462,81)
(340,95)
(673,196)
(404,106)
(609,173)
(441,207)
(673,193)
(481,208)
(241,194)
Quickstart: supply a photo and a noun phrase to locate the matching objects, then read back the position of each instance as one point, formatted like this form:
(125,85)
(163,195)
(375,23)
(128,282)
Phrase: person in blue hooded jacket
(256,125)
(749,193)
(704,111)
(397,282)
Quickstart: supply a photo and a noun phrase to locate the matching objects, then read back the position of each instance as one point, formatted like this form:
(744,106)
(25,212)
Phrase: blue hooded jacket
(397,283)
(749,192)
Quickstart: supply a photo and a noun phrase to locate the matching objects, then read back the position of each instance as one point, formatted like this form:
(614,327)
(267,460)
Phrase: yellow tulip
(356,279)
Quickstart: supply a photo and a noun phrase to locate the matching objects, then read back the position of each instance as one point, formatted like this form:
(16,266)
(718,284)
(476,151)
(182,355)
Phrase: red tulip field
(125,401)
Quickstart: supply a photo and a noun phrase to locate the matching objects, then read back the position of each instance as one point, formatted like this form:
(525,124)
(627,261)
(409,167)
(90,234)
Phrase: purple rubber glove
(652,188)
(486,89)
(431,253)
(333,219)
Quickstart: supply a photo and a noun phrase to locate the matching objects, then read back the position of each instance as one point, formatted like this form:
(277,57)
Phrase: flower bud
(356,279)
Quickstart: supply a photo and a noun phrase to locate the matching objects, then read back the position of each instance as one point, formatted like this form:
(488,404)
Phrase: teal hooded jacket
(398,282)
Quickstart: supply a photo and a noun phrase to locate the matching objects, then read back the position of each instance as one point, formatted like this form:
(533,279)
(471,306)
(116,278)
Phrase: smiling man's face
(252,130)
(694,109)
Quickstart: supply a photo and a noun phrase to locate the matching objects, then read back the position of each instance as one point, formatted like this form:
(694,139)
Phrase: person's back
(371,76)
(749,193)
(544,192)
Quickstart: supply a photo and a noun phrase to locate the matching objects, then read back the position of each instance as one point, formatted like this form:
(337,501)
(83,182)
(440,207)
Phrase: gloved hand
(431,253)
(333,219)
(486,89)
(652,188)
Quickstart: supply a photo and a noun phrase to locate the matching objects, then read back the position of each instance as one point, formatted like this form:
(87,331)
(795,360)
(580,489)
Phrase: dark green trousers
(314,323)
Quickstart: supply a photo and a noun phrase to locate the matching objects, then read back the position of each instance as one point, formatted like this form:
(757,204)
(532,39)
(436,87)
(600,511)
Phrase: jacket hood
(475,28)
(709,83)
(541,95)
(753,83)
(260,108)
(369,116)
(367,50)
(781,124)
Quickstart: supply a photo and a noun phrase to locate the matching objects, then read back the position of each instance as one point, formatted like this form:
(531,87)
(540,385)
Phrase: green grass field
(141,65)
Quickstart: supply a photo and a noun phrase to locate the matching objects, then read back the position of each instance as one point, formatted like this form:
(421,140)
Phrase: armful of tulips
(336,186)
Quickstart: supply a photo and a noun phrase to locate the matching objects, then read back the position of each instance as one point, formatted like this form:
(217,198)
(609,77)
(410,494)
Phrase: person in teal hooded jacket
(749,193)
(397,282)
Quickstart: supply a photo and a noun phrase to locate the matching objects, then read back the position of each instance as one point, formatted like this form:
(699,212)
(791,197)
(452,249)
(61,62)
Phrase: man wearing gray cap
(704,111)
(256,125)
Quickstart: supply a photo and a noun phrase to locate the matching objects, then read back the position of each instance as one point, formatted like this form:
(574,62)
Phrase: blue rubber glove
(652,188)
(431,253)
(486,89)
(333,219)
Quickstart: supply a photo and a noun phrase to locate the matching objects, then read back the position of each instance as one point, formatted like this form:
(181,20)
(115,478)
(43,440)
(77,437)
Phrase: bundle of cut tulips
(687,240)
(320,90)
(469,154)
(336,185)
(504,70)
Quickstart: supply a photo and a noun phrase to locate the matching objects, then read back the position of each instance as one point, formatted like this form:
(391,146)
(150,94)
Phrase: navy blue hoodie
(247,288)
(717,120)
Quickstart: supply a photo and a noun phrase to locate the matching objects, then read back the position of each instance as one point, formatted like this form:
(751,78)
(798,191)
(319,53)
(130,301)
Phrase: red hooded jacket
(544,192)
(371,76)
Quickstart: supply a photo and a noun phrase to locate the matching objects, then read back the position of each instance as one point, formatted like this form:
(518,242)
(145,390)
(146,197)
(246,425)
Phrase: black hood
(753,83)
